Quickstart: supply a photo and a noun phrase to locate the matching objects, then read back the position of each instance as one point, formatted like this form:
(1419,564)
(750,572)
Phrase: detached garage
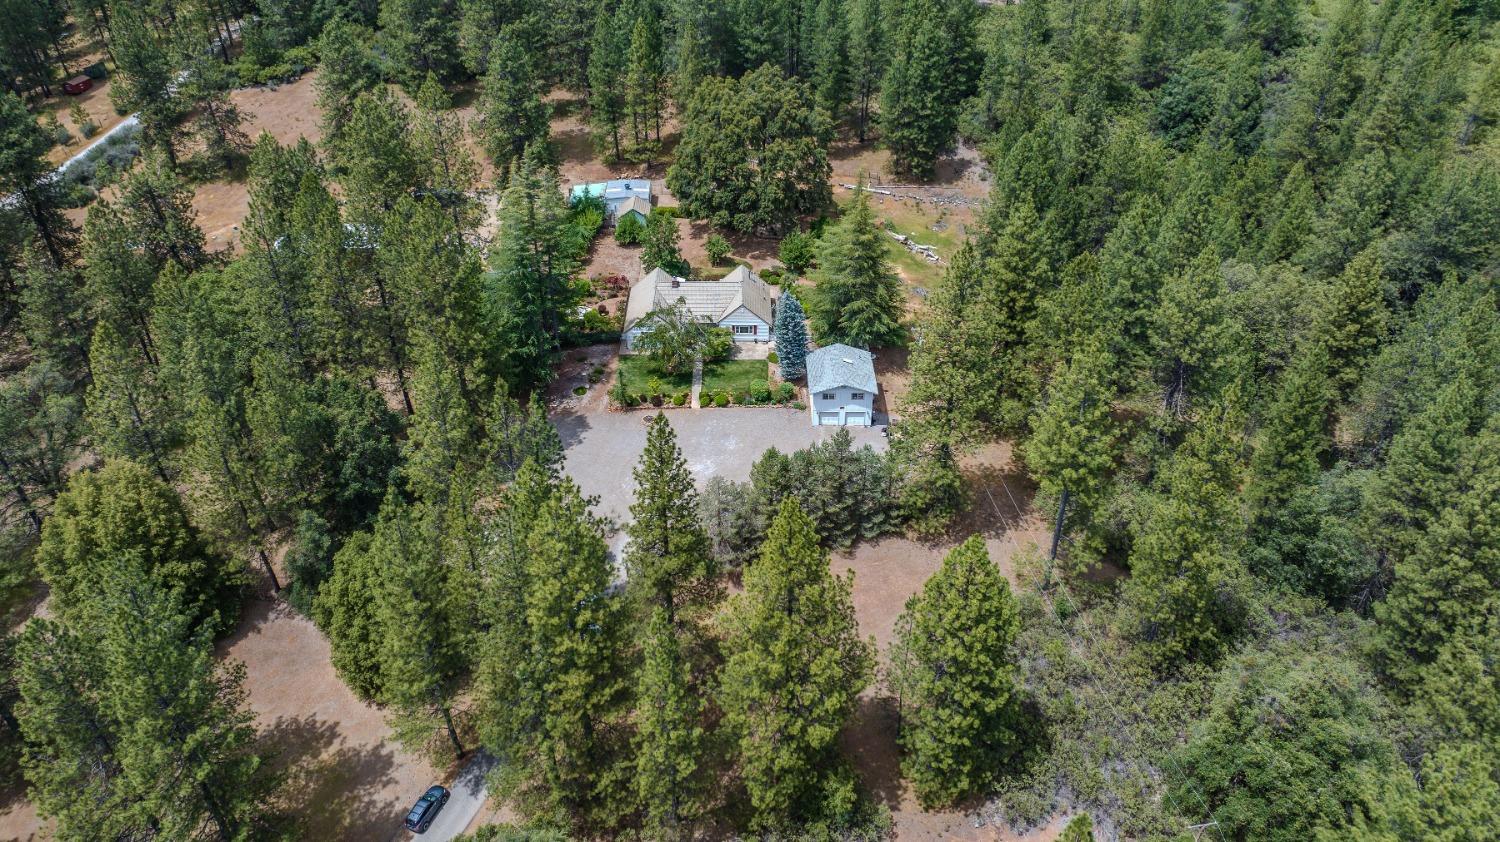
(841,386)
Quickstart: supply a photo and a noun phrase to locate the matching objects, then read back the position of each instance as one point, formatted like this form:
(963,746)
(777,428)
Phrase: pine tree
(791,336)
(917,120)
(956,678)
(607,74)
(54,316)
(867,53)
(511,110)
(23,147)
(1350,319)
(533,271)
(346,70)
(1072,449)
(1183,563)
(186,742)
(145,81)
(438,137)
(669,739)
(1295,435)
(156,208)
(558,685)
(794,666)
(420,660)
(515,434)
(1445,588)
(667,557)
(70,754)
(421,37)
(645,87)
(218,122)
(831,71)
(373,159)
(859,297)
(1191,335)
(39,428)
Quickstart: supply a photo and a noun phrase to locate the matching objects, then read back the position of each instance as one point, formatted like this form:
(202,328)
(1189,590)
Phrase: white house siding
(843,410)
(743,317)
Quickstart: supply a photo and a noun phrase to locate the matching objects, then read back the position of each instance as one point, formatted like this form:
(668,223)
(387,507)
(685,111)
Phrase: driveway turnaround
(463,804)
(602,447)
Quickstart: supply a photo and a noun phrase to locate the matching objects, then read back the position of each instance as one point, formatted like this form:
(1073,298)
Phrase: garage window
(829,396)
(857,396)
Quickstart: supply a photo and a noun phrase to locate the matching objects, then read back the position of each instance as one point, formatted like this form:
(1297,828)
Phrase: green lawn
(734,376)
(636,370)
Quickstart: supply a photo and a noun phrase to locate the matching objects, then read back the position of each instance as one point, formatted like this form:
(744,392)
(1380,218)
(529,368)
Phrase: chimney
(676,282)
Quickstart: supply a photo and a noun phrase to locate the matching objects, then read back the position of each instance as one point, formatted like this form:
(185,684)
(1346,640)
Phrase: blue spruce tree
(791,336)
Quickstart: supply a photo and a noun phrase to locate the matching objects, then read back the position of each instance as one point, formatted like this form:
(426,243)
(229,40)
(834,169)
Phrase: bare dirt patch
(890,571)
(345,778)
(287,113)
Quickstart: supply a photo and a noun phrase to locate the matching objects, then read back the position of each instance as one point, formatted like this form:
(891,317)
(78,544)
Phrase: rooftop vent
(847,361)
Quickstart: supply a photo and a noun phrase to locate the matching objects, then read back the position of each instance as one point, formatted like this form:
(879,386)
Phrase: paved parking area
(602,447)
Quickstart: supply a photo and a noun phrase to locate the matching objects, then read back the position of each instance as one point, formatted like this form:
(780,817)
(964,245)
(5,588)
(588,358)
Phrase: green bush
(721,399)
(786,392)
(799,405)
(580,390)
(743,399)
(669,211)
(798,251)
(717,247)
(772,358)
(760,391)
(772,276)
(618,394)
(680,399)
(628,230)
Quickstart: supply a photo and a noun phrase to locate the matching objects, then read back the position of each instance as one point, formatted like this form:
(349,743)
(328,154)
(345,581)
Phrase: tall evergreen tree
(1295,434)
(608,59)
(956,677)
(23,145)
(511,110)
(645,87)
(1072,449)
(421,37)
(791,336)
(667,557)
(186,742)
(917,118)
(659,249)
(867,58)
(551,696)
(795,665)
(1184,566)
(669,738)
(347,69)
(859,300)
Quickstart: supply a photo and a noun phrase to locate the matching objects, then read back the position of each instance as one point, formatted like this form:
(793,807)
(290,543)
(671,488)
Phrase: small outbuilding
(841,386)
(619,195)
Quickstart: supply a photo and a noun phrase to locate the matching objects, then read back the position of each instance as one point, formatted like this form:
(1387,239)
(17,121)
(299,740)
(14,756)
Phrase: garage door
(856,419)
(828,419)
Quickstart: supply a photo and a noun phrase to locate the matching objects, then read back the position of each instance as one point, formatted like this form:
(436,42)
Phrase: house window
(856,396)
(744,330)
(829,396)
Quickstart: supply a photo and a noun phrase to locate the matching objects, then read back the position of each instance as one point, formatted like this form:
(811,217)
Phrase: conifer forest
(1183,468)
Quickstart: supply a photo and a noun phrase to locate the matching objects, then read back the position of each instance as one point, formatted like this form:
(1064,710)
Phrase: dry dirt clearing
(287,112)
(890,571)
(346,778)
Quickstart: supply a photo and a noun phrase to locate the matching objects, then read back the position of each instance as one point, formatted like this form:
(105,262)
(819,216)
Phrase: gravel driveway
(602,447)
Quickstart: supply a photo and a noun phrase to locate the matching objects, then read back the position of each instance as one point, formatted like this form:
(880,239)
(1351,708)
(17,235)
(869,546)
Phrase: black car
(426,809)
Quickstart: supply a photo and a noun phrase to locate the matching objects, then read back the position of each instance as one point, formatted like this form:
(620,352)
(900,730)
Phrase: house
(616,194)
(741,302)
(841,386)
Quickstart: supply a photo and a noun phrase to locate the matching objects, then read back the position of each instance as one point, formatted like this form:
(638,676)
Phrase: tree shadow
(869,741)
(330,790)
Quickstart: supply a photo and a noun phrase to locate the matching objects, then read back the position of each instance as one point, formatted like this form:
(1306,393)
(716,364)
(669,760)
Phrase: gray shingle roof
(708,300)
(838,365)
